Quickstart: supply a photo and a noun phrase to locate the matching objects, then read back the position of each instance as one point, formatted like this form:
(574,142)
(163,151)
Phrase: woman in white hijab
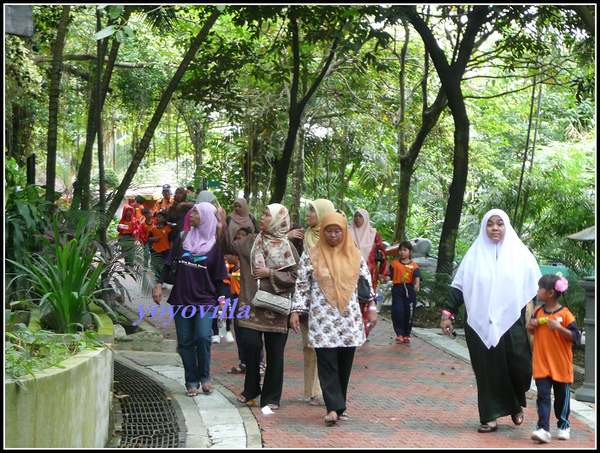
(495,280)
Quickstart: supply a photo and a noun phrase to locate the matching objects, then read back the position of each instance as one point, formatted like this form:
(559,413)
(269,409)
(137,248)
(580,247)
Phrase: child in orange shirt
(128,232)
(146,224)
(555,330)
(406,277)
(161,238)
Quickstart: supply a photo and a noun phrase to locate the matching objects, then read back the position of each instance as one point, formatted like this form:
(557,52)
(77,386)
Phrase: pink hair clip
(561,285)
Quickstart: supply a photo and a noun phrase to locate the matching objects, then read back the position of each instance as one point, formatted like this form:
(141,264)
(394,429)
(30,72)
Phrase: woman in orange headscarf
(326,289)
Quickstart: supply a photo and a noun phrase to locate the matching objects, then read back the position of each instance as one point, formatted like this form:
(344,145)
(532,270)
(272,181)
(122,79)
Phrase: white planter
(67,407)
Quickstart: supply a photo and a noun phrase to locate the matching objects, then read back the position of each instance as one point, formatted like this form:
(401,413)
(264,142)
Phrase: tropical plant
(64,278)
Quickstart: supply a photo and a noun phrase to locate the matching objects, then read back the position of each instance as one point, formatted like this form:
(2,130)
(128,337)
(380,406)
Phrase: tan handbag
(273,302)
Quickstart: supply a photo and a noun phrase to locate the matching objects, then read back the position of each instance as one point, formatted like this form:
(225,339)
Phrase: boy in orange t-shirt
(161,238)
(406,277)
(555,330)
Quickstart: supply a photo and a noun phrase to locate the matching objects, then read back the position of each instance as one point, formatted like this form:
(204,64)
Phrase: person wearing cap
(163,203)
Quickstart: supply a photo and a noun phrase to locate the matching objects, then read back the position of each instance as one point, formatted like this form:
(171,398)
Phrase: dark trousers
(562,403)
(334,366)
(274,344)
(404,303)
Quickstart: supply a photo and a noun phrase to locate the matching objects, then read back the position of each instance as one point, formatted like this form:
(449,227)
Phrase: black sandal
(488,427)
(518,418)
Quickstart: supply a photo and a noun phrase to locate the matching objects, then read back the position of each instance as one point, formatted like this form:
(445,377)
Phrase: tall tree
(81,193)
(451,73)
(53,101)
(142,147)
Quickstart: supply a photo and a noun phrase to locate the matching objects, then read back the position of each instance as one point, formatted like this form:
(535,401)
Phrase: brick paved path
(400,396)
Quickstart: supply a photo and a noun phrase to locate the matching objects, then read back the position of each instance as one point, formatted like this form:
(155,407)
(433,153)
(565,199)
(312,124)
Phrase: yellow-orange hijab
(336,268)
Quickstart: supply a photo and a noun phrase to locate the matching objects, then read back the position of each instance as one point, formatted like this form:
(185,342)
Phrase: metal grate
(144,413)
(578,380)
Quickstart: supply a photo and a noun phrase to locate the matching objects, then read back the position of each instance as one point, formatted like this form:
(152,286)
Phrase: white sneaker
(229,337)
(564,434)
(542,436)
(216,339)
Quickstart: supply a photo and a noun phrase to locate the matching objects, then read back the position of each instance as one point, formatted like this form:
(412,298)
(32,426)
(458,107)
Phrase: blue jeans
(193,345)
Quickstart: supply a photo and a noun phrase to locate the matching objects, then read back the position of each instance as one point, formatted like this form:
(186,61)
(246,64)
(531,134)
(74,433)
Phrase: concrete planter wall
(62,408)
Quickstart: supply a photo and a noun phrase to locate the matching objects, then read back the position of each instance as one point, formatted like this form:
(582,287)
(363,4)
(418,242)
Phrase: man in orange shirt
(163,203)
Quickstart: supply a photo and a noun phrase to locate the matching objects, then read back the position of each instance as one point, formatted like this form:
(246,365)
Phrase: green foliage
(64,277)
(28,351)
(26,212)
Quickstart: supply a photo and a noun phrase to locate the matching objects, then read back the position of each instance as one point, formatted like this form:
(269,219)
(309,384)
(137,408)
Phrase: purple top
(196,277)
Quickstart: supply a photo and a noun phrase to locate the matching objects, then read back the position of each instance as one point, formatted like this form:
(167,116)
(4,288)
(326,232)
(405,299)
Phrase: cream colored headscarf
(336,268)
(497,281)
(364,237)
(274,244)
(322,207)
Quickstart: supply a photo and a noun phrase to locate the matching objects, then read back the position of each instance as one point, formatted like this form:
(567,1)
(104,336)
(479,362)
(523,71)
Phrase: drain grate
(144,413)
(578,380)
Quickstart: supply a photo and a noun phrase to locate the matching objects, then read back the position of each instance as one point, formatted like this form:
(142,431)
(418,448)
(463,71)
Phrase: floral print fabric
(327,327)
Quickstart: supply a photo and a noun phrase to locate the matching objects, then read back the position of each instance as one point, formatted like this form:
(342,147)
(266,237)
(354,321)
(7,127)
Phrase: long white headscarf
(497,281)
(364,237)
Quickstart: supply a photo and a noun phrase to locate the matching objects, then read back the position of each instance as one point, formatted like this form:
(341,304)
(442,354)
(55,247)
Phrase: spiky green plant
(64,277)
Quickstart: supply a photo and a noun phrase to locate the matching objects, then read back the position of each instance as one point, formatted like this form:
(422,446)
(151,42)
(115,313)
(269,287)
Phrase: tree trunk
(407,163)
(296,111)
(81,191)
(297,177)
(53,100)
(450,78)
(141,149)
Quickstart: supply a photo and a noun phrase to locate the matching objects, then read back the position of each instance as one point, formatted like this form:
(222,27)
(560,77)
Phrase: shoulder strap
(536,311)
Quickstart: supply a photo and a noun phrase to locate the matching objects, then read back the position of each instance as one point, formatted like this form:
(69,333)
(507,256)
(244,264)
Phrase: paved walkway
(421,395)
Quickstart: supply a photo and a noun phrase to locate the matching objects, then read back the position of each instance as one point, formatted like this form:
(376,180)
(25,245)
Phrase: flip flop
(488,427)
(192,392)
(242,399)
(207,388)
(315,401)
(343,417)
(518,418)
(273,407)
